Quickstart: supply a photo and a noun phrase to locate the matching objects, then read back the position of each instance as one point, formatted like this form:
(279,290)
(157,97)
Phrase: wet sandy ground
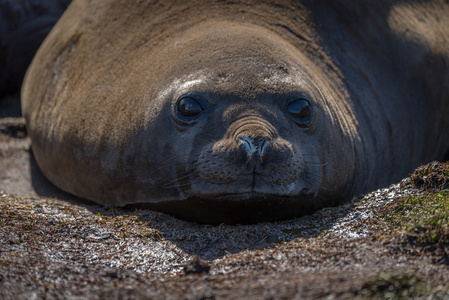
(53,245)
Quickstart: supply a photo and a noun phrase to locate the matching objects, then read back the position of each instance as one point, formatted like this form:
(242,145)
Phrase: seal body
(238,112)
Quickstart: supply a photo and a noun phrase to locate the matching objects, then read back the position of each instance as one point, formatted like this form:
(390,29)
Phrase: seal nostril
(248,145)
(254,146)
(263,147)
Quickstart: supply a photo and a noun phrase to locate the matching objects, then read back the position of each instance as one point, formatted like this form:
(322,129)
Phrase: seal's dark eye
(189,107)
(300,109)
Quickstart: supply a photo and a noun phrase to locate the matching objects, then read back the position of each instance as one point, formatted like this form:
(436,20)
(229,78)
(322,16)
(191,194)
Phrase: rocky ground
(392,243)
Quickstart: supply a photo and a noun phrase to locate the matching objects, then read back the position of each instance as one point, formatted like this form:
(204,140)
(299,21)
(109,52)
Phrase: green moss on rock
(424,217)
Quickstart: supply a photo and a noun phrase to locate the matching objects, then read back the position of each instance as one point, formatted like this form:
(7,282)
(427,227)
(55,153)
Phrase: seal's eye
(302,112)
(300,108)
(189,107)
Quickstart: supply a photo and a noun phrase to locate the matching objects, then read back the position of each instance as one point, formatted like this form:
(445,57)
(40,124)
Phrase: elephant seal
(242,111)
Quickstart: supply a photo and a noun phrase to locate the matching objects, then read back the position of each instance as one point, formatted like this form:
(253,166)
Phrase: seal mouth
(253,196)
(237,208)
(251,187)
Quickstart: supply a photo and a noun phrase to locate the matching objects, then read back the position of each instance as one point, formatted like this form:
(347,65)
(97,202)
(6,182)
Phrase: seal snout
(251,157)
(252,138)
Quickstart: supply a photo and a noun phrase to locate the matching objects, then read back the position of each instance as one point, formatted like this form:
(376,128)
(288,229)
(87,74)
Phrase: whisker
(166,164)
(174,180)
(314,164)
(178,179)
(179,184)
(312,174)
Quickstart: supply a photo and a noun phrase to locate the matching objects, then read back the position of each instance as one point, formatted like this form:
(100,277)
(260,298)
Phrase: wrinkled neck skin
(245,90)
